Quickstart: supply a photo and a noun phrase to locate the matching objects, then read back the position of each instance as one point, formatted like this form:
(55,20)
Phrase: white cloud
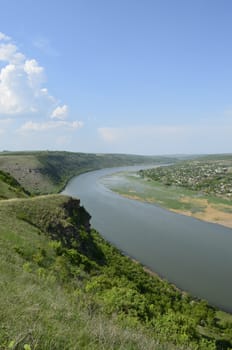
(111,134)
(21,83)
(60,112)
(35,74)
(48,125)
(44,45)
(63,140)
(4,125)
(168,139)
(4,37)
(22,93)
(6,122)
(20,90)
(9,53)
(114,135)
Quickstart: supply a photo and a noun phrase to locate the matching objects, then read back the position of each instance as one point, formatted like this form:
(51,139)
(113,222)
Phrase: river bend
(196,256)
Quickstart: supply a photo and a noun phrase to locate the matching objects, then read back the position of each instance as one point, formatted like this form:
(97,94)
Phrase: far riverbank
(176,199)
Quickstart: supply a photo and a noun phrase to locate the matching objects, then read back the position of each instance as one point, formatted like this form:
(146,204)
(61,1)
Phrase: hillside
(64,287)
(10,188)
(47,172)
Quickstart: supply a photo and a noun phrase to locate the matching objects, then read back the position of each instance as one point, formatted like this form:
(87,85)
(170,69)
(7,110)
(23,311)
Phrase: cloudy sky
(125,76)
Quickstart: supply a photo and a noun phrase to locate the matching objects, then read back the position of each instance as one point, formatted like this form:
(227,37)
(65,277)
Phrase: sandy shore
(211,213)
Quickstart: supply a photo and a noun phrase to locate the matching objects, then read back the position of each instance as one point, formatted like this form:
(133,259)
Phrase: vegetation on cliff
(64,287)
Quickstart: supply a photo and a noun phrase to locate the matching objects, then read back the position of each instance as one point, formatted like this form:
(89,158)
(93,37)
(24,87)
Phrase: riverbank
(192,254)
(182,201)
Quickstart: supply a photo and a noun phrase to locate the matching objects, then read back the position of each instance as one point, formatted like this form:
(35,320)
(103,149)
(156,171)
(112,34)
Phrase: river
(194,255)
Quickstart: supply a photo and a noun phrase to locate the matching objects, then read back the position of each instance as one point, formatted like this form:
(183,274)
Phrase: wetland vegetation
(201,188)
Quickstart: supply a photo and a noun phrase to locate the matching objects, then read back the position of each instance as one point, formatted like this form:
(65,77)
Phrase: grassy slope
(37,305)
(82,293)
(78,292)
(10,188)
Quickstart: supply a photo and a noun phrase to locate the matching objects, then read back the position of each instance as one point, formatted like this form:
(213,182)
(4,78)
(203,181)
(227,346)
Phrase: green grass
(82,293)
(7,191)
(64,287)
(37,307)
(10,188)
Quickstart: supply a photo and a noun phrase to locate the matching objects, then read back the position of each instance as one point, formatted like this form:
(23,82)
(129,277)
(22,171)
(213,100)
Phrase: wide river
(194,255)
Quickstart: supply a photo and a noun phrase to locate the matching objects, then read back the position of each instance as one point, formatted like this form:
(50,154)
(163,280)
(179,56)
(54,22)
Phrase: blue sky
(125,76)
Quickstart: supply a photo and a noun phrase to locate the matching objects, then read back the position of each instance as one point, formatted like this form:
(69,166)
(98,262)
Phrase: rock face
(74,231)
(71,226)
(60,218)
(79,215)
